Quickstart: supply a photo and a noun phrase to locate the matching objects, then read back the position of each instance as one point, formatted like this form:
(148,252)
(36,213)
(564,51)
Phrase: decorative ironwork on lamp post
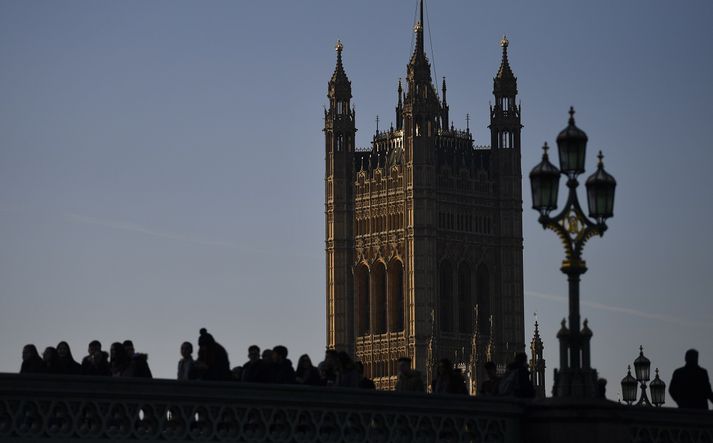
(575,377)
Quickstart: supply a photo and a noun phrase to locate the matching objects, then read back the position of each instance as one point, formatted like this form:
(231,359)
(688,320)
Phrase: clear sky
(162,164)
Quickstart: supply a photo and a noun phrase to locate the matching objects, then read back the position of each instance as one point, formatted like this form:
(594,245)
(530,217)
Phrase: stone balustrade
(67,408)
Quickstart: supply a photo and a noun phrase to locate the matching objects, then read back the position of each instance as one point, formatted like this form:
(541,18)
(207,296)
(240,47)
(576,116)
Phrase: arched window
(378,310)
(446,296)
(362,291)
(483,288)
(465,310)
(396,296)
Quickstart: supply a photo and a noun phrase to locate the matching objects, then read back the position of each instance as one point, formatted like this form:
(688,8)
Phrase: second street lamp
(575,377)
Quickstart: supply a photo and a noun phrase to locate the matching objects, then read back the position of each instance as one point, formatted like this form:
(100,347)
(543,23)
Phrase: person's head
(692,357)
(205,339)
(267,355)
(254,353)
(29,351)
(63,350)
(304,362)
(117,352)
(322,369)
(345,361)
(50,355)
(94,347)
(404,365)
(331,358)
(491,369)
(444,367)
(129,347)
(279,353)
(186,349)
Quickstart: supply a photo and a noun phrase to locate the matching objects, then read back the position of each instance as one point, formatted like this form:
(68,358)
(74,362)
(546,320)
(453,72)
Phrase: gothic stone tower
(422,227)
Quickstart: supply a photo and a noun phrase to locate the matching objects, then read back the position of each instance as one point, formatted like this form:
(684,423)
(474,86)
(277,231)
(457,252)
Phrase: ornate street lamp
(658,390)
(642,369)
(575,377)
(628,388)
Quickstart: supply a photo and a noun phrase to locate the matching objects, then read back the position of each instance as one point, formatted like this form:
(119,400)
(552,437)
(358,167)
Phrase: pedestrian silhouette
(282,370)
(690,386)
(185,364)
(252,367)
(31,361)
(213,358)
(51,360)
(409,380)
(66,363)
(490,386)
(517,382)
(306,374)
(447,380)
(97,361)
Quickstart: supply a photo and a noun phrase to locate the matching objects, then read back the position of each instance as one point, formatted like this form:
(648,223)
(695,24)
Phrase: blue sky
(161,163)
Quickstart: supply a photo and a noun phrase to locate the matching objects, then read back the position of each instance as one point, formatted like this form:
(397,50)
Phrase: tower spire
(505,71)
(419,68)
(339,84)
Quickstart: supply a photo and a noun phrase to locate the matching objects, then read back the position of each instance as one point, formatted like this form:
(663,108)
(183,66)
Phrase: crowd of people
(690,386)
(120,361)
(337,369)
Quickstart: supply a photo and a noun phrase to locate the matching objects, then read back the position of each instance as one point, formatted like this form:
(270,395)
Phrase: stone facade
(422,222)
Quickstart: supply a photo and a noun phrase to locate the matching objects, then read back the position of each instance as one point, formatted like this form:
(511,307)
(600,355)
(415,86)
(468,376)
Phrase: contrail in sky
(133,227)
(629,311)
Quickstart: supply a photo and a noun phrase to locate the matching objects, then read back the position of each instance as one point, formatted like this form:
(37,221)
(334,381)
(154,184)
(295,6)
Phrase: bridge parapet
(68,408)
(93,409)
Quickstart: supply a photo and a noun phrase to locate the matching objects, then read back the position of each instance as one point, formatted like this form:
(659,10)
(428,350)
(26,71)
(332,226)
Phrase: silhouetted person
(139,366)
(213,358)
(364,382)
(306,374)
(448,381)
(490,386)
(66,363)
(185,364)
(237,373)
(328,368)
(123,365)
(97,362)
(409,380)
(51,360)
(118,360)
(31,361)
(690,386)
(129,347)
(282,372)
(265,367)
(517,382)
(251,368)
(347,375)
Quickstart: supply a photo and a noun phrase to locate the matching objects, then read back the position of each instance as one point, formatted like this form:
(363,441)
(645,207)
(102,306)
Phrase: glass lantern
(544,180)
(628,387)
(658,390)
(600,192)
(642,366)
(572,148)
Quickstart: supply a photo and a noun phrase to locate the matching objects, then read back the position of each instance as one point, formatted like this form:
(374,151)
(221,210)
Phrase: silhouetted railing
(41,407)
